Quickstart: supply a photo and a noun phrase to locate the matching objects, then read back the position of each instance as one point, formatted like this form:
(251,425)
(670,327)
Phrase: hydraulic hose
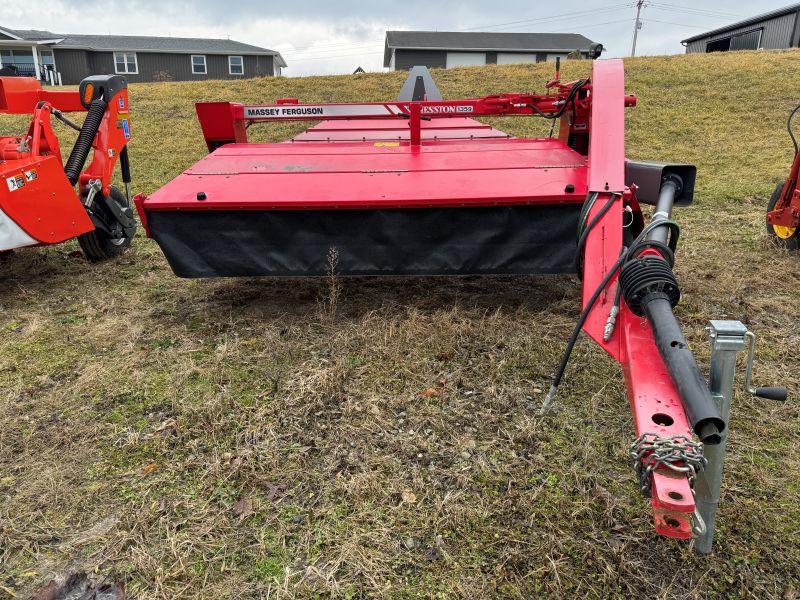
(61,117)
(83,145)
(789,128)
(567,101)
(562,367)
(651,290)
(583,231)
(125,165)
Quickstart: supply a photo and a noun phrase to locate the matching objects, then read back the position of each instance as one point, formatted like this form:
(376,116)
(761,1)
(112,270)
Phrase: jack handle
(769,393)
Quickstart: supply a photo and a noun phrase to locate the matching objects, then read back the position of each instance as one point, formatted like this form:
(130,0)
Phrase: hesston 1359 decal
(446,109)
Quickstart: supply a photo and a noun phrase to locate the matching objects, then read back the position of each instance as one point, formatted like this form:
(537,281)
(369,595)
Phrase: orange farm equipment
(45,200)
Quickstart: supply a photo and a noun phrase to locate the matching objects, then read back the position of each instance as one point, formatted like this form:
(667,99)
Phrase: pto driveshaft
(651,290)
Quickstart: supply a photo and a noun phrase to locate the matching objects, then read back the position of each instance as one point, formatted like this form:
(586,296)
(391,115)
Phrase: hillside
(248,438)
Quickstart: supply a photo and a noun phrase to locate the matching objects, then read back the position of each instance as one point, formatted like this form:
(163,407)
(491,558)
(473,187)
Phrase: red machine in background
(38,200)
(783,210)
(418,187)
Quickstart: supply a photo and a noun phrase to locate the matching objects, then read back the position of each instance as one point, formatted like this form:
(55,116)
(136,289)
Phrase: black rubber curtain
(410,241)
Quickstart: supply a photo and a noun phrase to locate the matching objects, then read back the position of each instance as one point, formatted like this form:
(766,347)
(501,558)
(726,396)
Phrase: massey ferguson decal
(290,111)
(326,111)
(306,111)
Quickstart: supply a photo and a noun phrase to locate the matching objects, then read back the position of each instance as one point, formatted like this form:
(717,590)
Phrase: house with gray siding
(446,49)
(773,30)
(65,58)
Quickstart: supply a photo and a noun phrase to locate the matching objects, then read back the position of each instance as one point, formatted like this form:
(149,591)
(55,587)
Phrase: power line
(604,12)
(678,24)
(604,23)
(692,10)
(332,47)
(612,8)
(343,50)
(337,46)
(333,56)
(302,59)
(313,50)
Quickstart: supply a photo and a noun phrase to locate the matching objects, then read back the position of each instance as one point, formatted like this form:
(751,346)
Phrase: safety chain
(678,453)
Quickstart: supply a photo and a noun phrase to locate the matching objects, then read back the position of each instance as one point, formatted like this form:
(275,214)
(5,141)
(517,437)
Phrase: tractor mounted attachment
(783,210)
(417,186)
(39,203)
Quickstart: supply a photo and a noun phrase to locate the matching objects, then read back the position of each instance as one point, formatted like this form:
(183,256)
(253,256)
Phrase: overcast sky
(336,36)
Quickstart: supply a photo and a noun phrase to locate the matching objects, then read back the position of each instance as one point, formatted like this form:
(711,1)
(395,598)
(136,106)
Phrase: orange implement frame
(37,199)
(20,95)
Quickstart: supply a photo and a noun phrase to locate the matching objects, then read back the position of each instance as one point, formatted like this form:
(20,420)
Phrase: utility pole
(638,26)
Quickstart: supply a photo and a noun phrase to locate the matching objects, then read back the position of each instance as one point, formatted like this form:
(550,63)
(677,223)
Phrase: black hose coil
(83,145)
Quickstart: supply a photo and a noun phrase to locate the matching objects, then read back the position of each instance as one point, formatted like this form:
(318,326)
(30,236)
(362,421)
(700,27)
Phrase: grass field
(252,439)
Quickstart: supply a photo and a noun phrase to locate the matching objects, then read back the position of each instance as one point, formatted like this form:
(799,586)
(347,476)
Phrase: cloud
(320,36)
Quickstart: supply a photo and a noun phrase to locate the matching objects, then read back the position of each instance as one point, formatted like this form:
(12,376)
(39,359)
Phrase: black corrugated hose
(83,145)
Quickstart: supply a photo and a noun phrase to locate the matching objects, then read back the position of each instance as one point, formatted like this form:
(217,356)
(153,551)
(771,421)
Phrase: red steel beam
(654,400)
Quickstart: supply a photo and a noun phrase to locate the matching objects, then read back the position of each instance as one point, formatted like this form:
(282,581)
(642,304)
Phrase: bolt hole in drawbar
(675,495)
(663,420)
(672,522)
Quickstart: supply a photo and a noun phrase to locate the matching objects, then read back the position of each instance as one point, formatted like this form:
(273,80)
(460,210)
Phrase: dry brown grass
(385,429)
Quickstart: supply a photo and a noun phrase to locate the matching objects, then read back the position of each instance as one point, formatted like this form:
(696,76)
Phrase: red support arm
(654,401)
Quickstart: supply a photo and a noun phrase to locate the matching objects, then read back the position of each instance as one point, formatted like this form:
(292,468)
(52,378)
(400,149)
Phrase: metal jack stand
(727,339)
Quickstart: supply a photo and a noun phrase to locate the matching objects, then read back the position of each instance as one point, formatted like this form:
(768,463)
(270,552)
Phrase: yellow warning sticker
(386,144)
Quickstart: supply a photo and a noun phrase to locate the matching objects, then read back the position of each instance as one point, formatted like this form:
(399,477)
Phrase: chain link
(678,453)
